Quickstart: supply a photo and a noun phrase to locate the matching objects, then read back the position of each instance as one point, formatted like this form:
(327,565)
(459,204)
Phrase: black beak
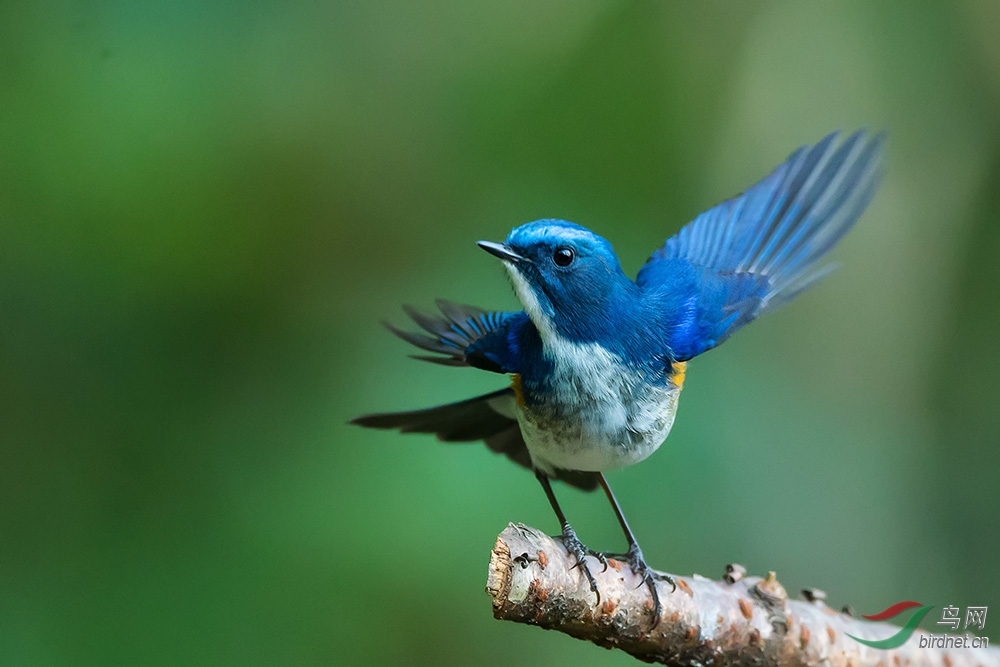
(501,251)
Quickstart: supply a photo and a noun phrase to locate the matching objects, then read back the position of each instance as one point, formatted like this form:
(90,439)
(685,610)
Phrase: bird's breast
(593,411)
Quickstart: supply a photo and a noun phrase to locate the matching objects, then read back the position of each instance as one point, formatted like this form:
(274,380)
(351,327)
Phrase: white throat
(527,297)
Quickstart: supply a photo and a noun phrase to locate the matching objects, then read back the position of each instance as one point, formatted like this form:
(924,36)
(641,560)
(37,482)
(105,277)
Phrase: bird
(597,360)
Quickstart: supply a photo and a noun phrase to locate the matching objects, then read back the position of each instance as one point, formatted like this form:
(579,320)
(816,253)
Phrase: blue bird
(597,360)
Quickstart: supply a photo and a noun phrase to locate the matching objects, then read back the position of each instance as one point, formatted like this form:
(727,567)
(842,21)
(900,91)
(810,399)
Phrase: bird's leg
(634,556)
(570,540)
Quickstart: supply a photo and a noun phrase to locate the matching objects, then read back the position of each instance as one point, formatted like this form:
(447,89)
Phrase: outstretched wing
(489,418)
(759,250)
(464,336)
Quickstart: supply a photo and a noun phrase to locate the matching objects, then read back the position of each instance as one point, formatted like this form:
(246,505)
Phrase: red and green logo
(905,632)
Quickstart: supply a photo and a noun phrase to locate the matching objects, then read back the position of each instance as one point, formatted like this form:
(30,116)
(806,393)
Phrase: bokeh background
(207,208)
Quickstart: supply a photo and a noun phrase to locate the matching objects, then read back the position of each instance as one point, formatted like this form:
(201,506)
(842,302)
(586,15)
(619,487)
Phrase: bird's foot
(649,577)
(580,552)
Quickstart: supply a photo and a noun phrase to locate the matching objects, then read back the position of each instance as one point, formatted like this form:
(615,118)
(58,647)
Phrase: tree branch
(737,621)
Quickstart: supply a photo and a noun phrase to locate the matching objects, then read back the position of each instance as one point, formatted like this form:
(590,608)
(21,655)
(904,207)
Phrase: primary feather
(462,337)
(759,250)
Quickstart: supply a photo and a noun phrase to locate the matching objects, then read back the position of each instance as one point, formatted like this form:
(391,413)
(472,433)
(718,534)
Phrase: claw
(602,557)
(660,576)
(657,605)
(577,548)
(638,564)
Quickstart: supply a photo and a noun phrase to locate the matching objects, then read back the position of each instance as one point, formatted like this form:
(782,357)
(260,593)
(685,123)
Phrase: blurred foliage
(206,208)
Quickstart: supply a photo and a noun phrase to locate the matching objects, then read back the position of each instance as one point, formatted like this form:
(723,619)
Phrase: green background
(206,209)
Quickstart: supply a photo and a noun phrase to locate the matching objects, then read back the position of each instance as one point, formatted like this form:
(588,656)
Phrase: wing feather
(759,250)
(462,335)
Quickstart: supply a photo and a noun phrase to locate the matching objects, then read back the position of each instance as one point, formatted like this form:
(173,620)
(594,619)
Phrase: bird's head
(568,278)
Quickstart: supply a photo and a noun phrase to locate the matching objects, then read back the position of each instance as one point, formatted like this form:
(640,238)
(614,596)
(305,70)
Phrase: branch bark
(737,621)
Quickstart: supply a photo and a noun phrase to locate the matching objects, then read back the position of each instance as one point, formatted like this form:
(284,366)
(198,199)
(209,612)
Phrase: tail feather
(465,421)
(488,418)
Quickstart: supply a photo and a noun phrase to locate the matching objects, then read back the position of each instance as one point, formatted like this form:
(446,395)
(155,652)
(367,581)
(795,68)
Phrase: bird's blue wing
(759,250)
(467,336)
(470,336)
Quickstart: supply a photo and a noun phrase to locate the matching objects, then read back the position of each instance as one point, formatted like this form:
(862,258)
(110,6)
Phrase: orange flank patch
(515,384)
(679,370)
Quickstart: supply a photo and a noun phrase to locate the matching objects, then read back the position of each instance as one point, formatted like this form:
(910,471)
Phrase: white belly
(601,416)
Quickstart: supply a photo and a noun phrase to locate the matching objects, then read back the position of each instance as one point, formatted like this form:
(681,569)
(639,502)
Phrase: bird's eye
(563,256)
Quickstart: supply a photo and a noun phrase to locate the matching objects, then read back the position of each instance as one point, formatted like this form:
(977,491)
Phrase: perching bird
(597,361)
